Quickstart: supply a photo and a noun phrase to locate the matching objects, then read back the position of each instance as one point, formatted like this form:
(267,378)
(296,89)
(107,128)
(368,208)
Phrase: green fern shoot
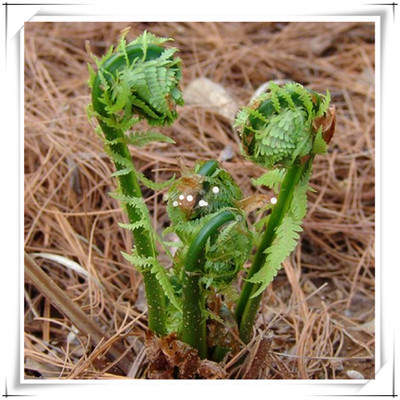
(282,130)
(136,81)
(216,241)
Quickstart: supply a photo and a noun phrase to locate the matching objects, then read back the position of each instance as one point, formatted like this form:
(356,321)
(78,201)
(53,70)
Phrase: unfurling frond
(227,253)
(152,264)
(277,128)
(139,80)
(193,201)
(286,237)
(272,179)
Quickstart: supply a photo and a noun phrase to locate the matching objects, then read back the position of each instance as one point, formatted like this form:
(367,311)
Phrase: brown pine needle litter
(317,318)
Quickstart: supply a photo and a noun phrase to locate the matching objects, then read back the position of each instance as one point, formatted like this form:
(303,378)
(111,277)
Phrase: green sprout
(137,81)
(282,130)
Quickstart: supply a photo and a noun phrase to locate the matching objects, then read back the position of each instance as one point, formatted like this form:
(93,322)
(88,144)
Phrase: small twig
(325,358)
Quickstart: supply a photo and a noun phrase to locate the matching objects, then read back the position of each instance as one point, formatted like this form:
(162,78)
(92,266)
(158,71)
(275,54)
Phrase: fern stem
(247,306)
(208,168)
(130,188)
(144,243)
(194,320)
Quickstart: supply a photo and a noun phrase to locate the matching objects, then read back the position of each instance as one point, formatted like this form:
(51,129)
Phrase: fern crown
(277,128)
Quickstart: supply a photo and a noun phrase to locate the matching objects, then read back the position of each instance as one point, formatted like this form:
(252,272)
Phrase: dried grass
(320,308)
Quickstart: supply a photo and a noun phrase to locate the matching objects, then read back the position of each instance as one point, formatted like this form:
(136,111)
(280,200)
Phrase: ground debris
(170,358)
(209,94)
(353,374)
(259,359)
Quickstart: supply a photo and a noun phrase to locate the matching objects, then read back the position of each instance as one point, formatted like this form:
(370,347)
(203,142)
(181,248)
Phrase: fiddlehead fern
(203,207)
(282,130)
(193,200)
(277,128)
(139,80)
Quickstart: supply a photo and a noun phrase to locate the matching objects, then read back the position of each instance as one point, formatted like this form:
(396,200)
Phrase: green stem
(130,187)
(208,168)
(247,306)
(194,321)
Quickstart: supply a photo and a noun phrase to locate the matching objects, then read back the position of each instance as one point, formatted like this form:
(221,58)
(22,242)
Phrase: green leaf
(323,108)
(319,146)
(137,261)
(255,114)
(119,159)
(154,185)
(149,38)
(165,283)
(298,206)
(286,96)
(92,75)
(138,203)
(272,179)
(132,226)
(141,139)
(176,244)
(262,222)
(124,171)
(284,243)
(274,89)
(141,263)
(304,95)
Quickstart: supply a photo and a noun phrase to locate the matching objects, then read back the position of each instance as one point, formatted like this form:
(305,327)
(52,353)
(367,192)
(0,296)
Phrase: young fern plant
(204,208)
(137,81)
(281,130)
(140,81)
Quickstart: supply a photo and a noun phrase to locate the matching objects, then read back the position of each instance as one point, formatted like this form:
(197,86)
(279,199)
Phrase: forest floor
(319,310)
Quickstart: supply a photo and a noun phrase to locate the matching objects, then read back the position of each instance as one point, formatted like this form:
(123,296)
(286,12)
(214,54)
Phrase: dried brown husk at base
(320,308)
(170,358)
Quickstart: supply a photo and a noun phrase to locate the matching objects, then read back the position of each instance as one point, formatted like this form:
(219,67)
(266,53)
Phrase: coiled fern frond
(139,80)
(281,125)
(282,130)
(193,200)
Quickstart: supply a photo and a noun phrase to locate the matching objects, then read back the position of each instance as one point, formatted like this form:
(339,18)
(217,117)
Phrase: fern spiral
(203,206)
(280,126)
(210,193)
(140,80)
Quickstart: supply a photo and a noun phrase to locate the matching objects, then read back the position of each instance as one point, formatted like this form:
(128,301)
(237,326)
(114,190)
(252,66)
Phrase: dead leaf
(169,358)
(260,359)
(328,122)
